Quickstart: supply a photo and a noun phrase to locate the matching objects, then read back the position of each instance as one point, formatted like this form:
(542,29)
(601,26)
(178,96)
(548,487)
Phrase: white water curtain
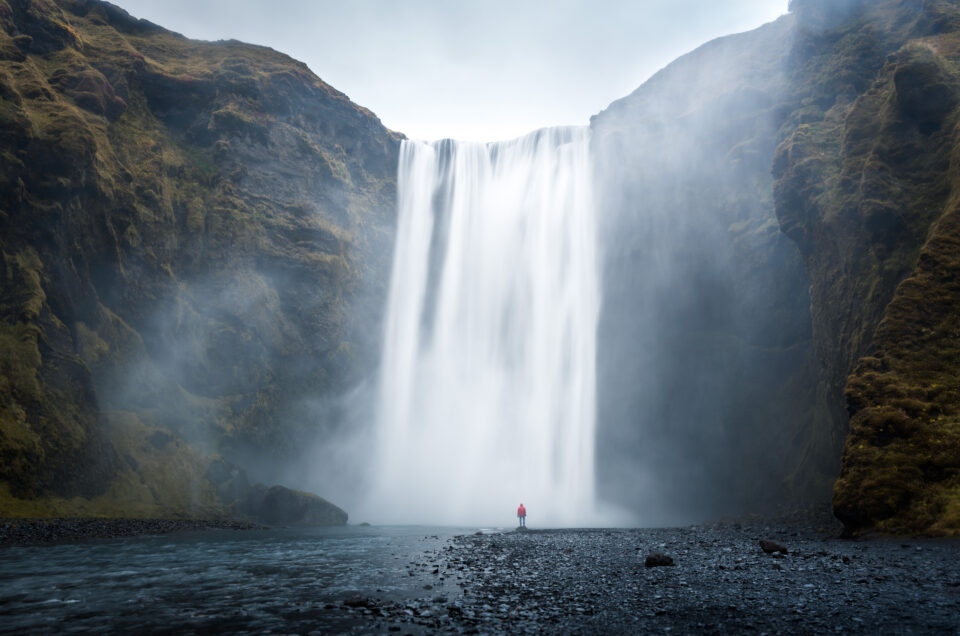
(487,392)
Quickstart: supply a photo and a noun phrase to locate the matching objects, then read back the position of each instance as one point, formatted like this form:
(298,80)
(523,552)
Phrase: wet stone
(770,547)
(657,560)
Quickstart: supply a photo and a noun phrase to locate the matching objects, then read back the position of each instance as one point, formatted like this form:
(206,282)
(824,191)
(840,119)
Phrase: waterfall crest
(487,388)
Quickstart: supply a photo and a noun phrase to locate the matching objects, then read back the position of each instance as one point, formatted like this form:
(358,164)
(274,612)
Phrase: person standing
(522,516)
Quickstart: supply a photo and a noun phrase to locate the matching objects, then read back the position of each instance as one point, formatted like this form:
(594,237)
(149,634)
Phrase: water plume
(488,380)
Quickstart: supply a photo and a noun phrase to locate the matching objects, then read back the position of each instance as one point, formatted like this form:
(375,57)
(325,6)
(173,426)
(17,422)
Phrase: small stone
(772,546)
(357,601)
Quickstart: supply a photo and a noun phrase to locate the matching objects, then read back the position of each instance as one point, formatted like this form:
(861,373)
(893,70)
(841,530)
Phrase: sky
(481,70)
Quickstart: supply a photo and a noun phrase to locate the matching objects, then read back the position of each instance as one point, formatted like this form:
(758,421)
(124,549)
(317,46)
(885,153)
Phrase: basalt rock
(837,348)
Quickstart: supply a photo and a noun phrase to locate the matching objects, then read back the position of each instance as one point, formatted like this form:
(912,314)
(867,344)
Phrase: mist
(705,371)
(705,359)
(642,358)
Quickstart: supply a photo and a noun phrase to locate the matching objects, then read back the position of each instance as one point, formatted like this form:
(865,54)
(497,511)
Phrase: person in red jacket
(522,516)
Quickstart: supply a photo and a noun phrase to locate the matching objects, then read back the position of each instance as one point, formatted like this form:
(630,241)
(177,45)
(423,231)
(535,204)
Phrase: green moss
(156,482)
(234,119)
(907,398)
(868,191)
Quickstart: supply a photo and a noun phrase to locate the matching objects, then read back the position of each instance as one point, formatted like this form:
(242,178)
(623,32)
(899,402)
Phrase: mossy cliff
(761,332)
(195,239)
(866,178)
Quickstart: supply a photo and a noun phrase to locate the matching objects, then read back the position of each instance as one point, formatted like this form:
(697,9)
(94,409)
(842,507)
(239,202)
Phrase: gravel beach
(722,581)
(43,531)
(707,579)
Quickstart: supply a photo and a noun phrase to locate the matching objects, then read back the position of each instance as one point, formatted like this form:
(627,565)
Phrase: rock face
(719,372)
(865,186)
(195,240)
(706,370)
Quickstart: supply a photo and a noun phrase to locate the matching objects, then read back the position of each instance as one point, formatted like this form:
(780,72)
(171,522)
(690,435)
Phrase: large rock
(279,506)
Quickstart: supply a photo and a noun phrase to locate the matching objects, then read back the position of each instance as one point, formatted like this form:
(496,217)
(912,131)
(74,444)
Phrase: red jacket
(521,511)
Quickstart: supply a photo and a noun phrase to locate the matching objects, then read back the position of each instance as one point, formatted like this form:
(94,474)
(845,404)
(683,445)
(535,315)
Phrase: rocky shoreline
(46,531)
(718,578)
(706,579)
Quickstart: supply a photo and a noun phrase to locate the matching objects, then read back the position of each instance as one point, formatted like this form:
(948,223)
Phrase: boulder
(656,560)
(281,506)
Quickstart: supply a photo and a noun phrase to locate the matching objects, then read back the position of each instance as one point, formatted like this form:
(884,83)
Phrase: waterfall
(487,388)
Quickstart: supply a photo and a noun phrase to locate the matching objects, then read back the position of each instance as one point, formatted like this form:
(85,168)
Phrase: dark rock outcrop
(279,506)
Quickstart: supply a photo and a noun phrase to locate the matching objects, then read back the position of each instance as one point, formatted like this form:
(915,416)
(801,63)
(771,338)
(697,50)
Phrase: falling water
(487,394)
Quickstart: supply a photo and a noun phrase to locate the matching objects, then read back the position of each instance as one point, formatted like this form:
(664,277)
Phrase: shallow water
(257,580)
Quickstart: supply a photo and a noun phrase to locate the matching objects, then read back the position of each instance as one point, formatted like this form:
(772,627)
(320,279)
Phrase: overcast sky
(471,69)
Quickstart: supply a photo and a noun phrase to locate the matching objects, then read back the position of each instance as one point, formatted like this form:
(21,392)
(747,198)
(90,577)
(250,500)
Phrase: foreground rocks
(595,582)
(381,581)
(38,531)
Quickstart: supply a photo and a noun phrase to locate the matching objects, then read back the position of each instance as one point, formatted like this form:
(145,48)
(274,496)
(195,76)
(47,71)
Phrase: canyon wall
(195,238)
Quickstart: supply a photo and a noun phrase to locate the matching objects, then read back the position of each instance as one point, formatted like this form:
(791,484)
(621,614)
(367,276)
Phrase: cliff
(195,241)
(707,374)
(865,186)
(761,332)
